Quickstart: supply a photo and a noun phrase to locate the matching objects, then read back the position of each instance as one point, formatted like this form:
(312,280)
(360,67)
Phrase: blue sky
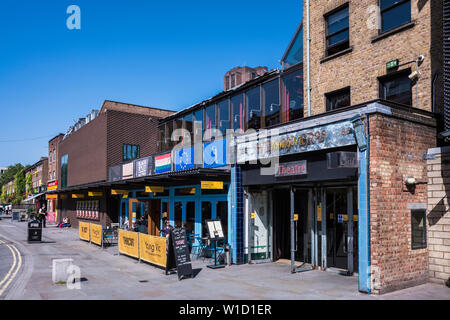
(166,54)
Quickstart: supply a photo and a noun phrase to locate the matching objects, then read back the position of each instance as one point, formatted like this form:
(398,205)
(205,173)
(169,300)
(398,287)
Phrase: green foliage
(29,184)
(19,186)
(10,172)
(3,195)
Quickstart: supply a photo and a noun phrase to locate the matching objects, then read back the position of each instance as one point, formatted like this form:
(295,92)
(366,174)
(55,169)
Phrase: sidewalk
(106,275)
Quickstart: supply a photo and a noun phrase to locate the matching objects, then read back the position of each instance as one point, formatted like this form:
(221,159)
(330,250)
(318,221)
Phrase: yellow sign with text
(83,229)
(129,243)
(295,216)
(96,234)
(152,249)
(212,185)
(154,189)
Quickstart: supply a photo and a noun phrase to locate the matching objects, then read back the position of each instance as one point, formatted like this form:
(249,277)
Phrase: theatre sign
(313,139)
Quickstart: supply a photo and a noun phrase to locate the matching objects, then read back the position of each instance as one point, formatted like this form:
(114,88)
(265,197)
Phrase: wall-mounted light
(358,131)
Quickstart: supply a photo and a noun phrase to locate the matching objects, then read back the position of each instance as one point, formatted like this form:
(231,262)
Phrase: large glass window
(397,88)
(169,130)
(190,218)
(271,92)
(293,96)
(394,13)
(338,99)
(337,31)
(131,152)
(295,52)
(178,214)
(64,170)
(210,119)
(223,111)
(198,122)
(188,125)
(237,109)
(253,103)
(162,138)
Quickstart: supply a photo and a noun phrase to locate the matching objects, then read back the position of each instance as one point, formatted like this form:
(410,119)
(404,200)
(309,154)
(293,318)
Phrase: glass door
(206,215)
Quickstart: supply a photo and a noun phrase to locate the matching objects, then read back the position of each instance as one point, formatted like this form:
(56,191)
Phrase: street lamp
(358,131)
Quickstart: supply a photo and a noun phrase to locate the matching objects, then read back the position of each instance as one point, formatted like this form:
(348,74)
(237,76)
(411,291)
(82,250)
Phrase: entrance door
(282,224)
(206,215)
(301,227)
(154,217)
(342,228)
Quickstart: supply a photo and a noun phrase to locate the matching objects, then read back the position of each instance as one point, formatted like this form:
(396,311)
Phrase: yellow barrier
(96,233)
(84,231)
(129,243)
(152,249)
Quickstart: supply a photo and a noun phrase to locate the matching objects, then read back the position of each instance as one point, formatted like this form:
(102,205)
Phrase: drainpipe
(308,41)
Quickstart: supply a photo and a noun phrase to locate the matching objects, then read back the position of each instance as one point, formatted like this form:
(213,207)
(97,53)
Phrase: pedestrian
(43,215)
(167,228)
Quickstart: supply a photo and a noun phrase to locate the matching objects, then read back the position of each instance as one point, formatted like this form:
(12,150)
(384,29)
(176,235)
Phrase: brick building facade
(240,75)
(364,61)
(86,153)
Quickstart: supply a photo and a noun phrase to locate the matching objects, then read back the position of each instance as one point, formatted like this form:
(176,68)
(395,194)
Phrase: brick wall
(438,214)
(360,68)
(128,128)
(397,150)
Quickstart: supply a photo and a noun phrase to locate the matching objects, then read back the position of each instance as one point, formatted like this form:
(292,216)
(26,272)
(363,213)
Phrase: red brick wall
(396,151)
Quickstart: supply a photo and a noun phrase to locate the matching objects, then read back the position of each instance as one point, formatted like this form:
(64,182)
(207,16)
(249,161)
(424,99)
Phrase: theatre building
(349,194)
(117,133)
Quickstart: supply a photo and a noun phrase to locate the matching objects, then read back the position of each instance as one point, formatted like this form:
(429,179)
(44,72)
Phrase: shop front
(305,212)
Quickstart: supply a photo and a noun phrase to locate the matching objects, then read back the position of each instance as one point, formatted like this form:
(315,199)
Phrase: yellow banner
(96,233)
(77,196)
(83,228)
(319,213)
(52,196)
(154,189)
(119,192)
(52,188)
(152,249)
(128,243)
(95,194)
(218,185)
(295,216)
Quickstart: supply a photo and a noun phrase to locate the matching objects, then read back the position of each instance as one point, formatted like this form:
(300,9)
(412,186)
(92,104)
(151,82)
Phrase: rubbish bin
(34,231)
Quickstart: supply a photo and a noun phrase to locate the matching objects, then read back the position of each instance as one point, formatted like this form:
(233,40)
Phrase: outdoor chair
(108,237)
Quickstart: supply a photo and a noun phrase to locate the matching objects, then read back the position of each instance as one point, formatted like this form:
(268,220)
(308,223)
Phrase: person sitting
(65,223)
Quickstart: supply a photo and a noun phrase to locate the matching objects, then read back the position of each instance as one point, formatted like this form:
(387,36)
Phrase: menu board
(215,229)
(178,248)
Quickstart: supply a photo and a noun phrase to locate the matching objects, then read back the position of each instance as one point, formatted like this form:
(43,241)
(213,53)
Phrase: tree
(19,186)
(3,195)
(29,184)
(9,173)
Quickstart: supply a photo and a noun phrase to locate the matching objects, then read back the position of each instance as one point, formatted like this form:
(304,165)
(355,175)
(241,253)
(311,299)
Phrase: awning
(34,197)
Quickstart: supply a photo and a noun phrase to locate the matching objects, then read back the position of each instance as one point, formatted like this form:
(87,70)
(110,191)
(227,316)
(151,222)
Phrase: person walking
(43,215)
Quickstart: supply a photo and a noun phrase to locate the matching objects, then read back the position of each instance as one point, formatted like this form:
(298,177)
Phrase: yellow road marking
(15,272)
(16,265)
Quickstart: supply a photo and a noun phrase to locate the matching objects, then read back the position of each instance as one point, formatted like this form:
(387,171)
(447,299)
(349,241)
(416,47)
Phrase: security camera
(414,75)
(420,58)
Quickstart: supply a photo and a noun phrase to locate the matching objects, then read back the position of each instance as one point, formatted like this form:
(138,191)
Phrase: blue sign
(184,159)
(215,154)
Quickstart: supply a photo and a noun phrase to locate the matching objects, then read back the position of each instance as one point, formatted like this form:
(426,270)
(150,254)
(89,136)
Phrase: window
(271,94)
(227,82)
(394,13)
(210,120)
(169,130)
(198,123)
(188,125)
(338,99)
(337,25)
(293,96)
(50,158)
(162,145)
(130,152)
(253,103)
(397,88)
(223,112)
(294,53)
(237,111)
(418,229)
(233,80)
(64,169)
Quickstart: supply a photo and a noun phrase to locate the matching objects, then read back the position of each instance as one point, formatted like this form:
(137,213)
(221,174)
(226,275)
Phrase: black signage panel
(179,251)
